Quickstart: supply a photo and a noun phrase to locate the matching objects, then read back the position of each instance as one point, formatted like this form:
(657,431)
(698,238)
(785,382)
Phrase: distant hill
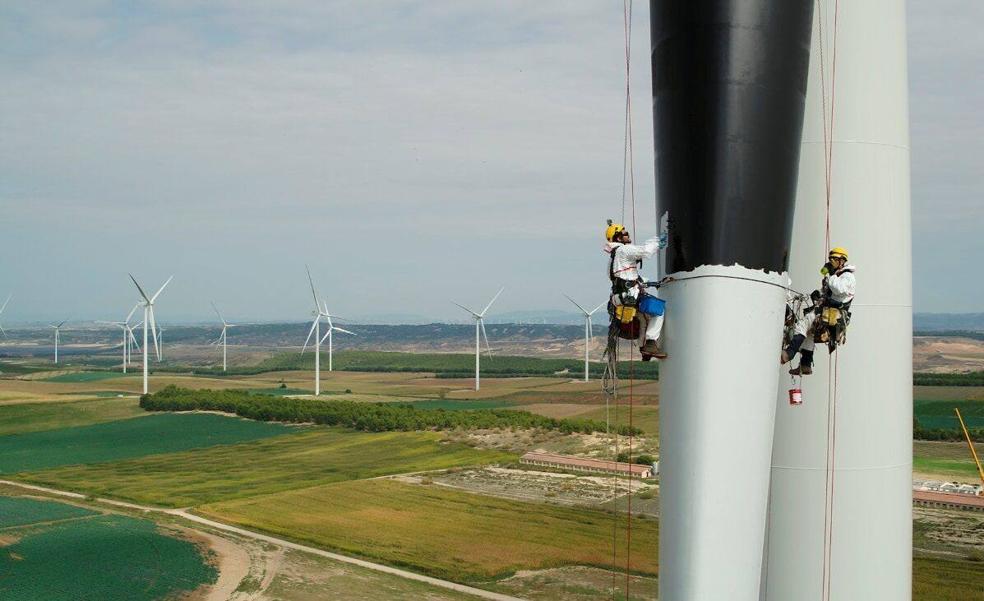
(941,322)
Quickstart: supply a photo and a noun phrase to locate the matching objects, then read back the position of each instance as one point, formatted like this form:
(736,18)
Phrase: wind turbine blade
(217,313)
(596,308)
(153,330)
(153,298)
(576,304)
(142,293)
(492,301)
(133,340)
(466,309)
(328,317)
(345,331)
(132,311)
(314,324)
(313,292)
(2,331)
(325,337)
(5,303)
(486,337)
(62,323)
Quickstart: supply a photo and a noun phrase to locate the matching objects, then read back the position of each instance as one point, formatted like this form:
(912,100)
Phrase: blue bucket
(650,305)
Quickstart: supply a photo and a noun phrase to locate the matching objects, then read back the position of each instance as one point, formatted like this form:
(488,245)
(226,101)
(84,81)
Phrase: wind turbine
(587,330)
(160,344)
(222,336)
(332,328)
(1,313)
(319,312)
(148,305)
(480,327)
(124,326)
(57,329)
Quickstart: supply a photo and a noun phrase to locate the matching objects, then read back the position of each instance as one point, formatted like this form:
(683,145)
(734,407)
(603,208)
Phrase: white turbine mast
(587,330)
(9,296)
(57,330)
(480,328)
(127,332)
(222,337)
(331,328)
(148,320)
(315,330)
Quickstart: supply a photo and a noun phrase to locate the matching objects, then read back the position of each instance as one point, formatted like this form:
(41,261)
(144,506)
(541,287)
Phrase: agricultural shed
(584,464)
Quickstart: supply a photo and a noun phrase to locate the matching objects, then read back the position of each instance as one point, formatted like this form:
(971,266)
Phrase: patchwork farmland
(453,504)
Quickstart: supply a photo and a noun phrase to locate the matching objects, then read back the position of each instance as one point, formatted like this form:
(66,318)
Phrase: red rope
(828,156)
(628,467)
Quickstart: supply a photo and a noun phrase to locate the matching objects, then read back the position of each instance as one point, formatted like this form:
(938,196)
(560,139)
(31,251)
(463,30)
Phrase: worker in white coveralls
(801,317)
(628,286)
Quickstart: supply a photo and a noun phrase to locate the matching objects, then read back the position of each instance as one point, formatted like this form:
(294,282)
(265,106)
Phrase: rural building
(584,464)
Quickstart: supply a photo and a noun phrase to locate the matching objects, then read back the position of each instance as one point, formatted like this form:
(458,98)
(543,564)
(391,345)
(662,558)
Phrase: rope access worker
(799,332)
(628,287)
(836,297)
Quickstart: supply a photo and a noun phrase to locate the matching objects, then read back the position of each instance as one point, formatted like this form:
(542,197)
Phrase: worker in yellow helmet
(838,282)
(628,286)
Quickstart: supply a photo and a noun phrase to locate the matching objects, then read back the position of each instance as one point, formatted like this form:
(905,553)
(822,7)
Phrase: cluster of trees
(640,459)
(370,417)
(945,434)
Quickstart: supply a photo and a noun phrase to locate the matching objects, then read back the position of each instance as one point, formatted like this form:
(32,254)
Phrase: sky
(410,152)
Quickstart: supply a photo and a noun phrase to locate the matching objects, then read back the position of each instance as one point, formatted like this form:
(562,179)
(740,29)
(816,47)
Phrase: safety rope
(609,380)
(828,154)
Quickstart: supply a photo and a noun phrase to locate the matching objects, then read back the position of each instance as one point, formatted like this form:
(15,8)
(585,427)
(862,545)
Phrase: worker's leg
(643,327)
(654,327)
(794,345)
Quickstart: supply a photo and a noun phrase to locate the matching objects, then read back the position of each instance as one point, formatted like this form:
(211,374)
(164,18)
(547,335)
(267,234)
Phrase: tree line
(368,417)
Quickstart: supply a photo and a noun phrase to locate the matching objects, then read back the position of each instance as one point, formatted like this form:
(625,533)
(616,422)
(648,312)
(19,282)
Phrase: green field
(945,580)
(87,376)
(447,364)
(104,557)
(445,533)
(946,459)
(939,414)
(458,405)
(34,417)
(317,456)
(22,511)
(124,439)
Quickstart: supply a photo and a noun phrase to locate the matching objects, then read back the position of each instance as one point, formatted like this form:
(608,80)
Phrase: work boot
(650,350)
(802,370)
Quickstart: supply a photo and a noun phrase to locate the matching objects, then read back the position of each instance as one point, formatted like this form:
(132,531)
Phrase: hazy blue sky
(410,152)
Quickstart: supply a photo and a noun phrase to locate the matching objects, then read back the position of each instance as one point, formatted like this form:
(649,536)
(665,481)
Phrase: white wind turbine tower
(332,328)
(587,331)
(1,313)
(319,312)
(222,336)
(160,343)
(480,328)
(148,320)
(124,326)
(57,330)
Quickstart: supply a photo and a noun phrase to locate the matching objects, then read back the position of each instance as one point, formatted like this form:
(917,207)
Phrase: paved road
(182,513)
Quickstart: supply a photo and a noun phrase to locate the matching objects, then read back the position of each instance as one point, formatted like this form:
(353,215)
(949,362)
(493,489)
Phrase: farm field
(127,438)
(445,533)
(34,417)
(317,456)
(93,556)
(939,414)
(945,460)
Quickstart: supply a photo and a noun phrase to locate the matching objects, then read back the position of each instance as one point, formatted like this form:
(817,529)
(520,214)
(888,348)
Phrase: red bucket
(795,396)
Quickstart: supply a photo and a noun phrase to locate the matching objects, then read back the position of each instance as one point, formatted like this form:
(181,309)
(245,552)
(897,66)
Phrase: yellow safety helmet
(613,228)
(838,252)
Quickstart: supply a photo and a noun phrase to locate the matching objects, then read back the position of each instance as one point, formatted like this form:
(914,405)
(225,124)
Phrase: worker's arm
(842,285)
(635,252)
